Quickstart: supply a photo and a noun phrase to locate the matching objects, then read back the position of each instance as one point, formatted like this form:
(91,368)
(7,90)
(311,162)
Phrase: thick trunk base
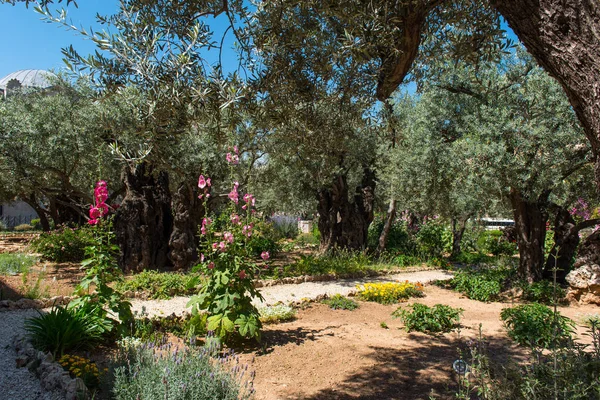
(187,215)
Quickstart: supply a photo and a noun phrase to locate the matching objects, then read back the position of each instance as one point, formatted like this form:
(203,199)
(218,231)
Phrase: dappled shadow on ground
(278,337)
(414,373)
(8,291)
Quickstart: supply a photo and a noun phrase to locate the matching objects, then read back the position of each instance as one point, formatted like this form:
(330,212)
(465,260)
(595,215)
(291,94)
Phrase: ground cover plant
(83,368)
(339,302)
(389,293)
(536,325)
(440,318)
(483,283)
(15,263)
(162,285)
(162,372)
(187,326)
(276,314)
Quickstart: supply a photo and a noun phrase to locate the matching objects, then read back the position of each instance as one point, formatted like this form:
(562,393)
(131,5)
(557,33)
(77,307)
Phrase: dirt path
(294,292)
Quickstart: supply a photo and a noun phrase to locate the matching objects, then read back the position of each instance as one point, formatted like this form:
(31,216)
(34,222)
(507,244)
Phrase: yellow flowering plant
(389,293)
(81,367)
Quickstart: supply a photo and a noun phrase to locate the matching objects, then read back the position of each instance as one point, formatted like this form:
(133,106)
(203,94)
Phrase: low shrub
(286,228)
(277,313)
(188,326)
(482,284)
(62,329)
(83,368)
(389,293)
(182,374)
(162,285)
(339,302)
(399,240)
(342,263)
(437,319)
(15,263)
(36,223)
(307,240)
(536,325)
(64,245)
(23,228)
(473,258)
(495,243)
(541,292)
(264,238)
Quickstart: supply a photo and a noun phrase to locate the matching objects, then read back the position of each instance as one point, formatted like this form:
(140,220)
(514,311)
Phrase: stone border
(51,374)
(21,304)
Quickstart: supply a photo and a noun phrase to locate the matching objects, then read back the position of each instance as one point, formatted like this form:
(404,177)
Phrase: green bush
(436,319)
(339,302)
(399,240)
(541,292)
(264,238)
(494,242)
(23,228)
(36,223)
(15,263)
(62,330)
(468,258)
(342,263)
(184,374)
(162,285)
(483,284)
(286,229)
(64,245)
(432,240)
(155,328)
(306,240)
(536,325)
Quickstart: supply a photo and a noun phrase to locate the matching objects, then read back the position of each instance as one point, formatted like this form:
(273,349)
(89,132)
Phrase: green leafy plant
(162,285)
(230,266)
(188,326)
(23,228)
(493,242)
(540,292)
(437,319)
(35,290)
(482,284)
(64,245)
(339,302)
(399,240)
(432,239)
(384,325)
(36,223)
(389,293)
(15,263)
(306,240)
(276,314)
(62,329)
(536,325)
(188,373)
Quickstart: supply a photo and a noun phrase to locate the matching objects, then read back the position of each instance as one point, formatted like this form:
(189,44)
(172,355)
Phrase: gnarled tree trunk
(387,227)
(344,224)
(458,230)
(187,215)
(530,221)
(143,223)
(563,38)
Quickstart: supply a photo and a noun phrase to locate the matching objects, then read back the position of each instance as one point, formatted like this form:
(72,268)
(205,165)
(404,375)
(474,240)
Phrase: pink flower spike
(200,196)
(236,150)
(247,197)
(222,246)
(244,207)
(94,212)
(208,182)
(215,245)
(93,221)
(211,265)
(228,236)
(201,257)
(207,195)
(264,255)
(235,219)
(201,182)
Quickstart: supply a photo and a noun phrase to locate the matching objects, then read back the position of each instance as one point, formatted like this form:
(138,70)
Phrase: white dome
(33,78)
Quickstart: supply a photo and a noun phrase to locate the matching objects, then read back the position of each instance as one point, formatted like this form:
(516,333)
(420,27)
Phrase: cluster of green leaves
(188,326)
(433,239)
(23,228)
(15,263)
(536,325)
(468,258)
(399,239)
(63,329)
(188,373)
(389,293)
(94,293)
(339,302)
(161,285)
(482,283)
(436,319)
(541,292)
(64,244)
(277,313)
(495,243)
(341,263)
(307,240)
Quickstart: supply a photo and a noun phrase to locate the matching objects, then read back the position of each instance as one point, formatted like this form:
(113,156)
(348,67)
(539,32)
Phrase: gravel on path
(294,292)
(17,383)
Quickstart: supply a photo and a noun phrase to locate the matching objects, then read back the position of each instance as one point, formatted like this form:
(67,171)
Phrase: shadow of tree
(279,337)
(414,373)
(7,292)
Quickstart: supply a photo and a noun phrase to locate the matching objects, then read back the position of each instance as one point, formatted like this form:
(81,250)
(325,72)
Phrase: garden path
(289,293)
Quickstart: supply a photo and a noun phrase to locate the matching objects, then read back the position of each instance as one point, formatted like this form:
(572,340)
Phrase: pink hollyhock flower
(222,246)
(95,212)
(236,150)
(232,158)
(93,221)
(228,236)
(247,197)
(244,207)
(247,230)
(242,274)
(233,195)
(201,257)
(201,182)
(200,196)
(265,255)
(235,219)
(215,245)
(211,265)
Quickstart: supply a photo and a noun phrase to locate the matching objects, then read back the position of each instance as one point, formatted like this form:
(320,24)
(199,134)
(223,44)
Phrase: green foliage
(63,329)
(65,244)
(100,270)
(286,229)
(399,240)
(436,319)
(541,292)
(494,242)
(264,238)
(432,239)
(341,263)
(15,263)
(23,228)
(536,325)
(35,290)
(339,302)
(389,293)
(276,314)
(482,284)
(403,260)
(307,240)
(473,258)
(36,223)
(183,374)
(161,285)
(188,326)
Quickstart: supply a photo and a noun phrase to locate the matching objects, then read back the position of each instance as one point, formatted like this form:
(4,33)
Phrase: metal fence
(10,222)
